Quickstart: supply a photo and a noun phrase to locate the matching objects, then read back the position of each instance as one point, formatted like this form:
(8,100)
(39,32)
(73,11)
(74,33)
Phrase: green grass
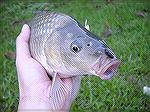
(130,40)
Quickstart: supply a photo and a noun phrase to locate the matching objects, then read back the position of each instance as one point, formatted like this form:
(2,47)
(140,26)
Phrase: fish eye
(76,46)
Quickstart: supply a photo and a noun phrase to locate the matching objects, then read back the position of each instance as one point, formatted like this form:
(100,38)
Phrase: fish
(66,48)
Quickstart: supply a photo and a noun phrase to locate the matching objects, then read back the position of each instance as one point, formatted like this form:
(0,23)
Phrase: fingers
(72,86)
(67,83)
(22,47)
(76,86)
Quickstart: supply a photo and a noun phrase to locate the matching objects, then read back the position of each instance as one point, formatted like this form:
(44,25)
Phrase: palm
(34,77)
(38,84)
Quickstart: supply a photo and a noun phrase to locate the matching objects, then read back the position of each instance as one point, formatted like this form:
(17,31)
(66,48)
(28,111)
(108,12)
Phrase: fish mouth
(106,68)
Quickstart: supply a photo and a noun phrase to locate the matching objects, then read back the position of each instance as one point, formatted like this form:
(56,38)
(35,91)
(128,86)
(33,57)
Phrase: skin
(34,83)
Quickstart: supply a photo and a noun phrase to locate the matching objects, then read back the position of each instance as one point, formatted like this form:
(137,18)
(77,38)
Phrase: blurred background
(124,25)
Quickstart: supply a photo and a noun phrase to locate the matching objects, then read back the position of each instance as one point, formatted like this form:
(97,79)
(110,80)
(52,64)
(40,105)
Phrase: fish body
(63,45)
(65,48)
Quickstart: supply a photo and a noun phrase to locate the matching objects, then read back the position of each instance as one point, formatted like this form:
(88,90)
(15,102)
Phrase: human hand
(34,83)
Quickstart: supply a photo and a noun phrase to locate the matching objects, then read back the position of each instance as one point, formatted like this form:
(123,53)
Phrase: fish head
(83,53)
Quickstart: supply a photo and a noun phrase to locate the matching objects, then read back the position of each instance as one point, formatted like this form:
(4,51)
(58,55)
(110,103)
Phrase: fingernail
(25,26)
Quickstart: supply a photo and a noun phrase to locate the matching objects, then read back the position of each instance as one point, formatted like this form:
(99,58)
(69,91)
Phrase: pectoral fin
(58,93)
(63,91)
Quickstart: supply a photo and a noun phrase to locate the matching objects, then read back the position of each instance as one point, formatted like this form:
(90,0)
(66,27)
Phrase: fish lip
(109,70)
(106,69)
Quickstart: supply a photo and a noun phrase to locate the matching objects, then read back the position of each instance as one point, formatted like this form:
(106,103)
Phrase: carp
(66,48)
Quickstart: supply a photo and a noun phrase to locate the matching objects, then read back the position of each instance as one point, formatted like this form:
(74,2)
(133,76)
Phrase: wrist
(33,103)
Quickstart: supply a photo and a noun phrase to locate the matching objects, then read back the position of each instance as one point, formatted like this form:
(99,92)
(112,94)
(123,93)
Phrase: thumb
(22,47)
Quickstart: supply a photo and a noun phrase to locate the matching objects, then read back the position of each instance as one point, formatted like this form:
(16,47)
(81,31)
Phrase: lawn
(126,28)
